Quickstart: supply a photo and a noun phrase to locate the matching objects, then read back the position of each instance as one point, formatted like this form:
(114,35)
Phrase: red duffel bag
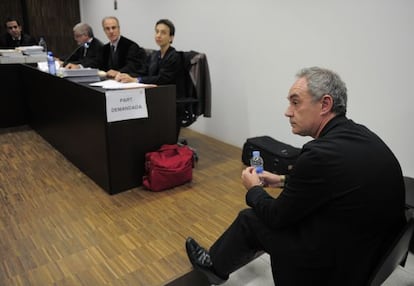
(168,167)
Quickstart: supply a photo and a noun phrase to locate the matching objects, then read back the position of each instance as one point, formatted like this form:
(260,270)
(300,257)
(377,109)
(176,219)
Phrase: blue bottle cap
(259,169)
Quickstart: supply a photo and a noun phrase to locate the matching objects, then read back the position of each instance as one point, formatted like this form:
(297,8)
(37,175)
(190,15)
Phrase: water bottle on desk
(257,162)
(42,43)
(51,63)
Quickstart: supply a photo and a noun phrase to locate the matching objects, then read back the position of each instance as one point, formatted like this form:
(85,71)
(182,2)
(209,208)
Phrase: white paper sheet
(126,104)
(113,84)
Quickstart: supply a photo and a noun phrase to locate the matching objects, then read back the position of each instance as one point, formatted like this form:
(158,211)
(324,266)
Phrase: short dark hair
(11,19)
(167,23)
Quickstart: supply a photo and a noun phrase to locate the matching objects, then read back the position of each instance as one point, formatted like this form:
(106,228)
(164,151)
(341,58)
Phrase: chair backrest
(187,100)
(409,191)
(194,97)
(396,255)
(189,85)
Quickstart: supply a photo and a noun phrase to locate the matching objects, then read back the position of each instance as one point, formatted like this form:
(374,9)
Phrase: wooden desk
(72,118)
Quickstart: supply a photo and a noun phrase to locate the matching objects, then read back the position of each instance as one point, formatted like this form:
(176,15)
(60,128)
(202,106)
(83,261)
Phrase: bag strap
(176,149)
(169,150)
(168,147)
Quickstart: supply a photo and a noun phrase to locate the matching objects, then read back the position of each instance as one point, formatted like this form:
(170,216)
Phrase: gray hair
(83,29)
(326,82)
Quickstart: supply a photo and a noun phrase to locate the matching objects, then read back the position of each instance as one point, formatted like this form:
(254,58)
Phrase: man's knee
(248,217)
(247,214)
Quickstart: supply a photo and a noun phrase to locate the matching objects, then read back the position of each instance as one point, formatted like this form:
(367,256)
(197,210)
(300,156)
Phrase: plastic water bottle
(257,162)
(51,63)
(42,43)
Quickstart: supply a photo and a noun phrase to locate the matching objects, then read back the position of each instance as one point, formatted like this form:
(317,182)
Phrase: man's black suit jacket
(343,204)
(131,57)
(87,56)
(7,41)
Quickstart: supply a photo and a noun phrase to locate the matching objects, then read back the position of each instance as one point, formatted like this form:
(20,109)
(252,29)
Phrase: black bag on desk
(278,157)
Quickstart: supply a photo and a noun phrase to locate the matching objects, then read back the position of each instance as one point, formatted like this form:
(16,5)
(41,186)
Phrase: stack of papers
(30,54)
(34,54)
(35,58)
(80,75)
(113,84)
(10,53)
(31,50)
(78,72)
(11,56)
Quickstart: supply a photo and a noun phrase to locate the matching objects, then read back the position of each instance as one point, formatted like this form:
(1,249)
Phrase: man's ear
(327,104)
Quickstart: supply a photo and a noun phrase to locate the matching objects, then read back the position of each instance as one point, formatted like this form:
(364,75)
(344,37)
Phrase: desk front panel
(12,103)
(72,118)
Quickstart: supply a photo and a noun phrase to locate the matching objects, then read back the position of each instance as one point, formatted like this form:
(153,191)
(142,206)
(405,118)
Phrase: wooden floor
(57,227)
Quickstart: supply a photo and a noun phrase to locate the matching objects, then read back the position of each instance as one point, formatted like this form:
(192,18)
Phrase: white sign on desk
(124,104)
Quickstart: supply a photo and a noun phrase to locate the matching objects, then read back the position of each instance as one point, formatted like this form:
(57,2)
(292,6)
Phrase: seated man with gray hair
(341,207)
(89,51)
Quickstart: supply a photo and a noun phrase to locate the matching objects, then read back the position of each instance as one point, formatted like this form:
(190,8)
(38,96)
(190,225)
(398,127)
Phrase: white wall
(254,48)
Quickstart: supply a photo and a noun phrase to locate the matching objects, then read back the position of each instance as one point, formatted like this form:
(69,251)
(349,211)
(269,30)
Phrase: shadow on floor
(190,279)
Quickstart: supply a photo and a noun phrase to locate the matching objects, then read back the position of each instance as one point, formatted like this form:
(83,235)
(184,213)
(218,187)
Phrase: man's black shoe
(200,259)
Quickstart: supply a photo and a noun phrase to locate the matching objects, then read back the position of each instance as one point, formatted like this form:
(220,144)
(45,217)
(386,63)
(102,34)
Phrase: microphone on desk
(66,61)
